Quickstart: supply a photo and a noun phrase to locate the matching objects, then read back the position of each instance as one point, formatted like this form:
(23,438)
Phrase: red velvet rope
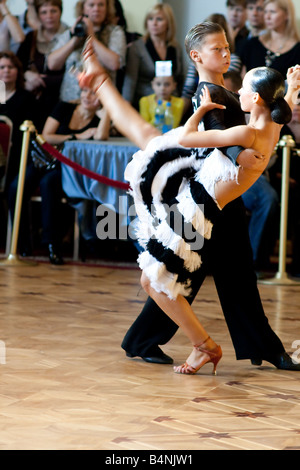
(84,171)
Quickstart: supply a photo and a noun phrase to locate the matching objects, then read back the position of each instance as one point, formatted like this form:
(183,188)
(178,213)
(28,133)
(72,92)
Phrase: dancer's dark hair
(270,85)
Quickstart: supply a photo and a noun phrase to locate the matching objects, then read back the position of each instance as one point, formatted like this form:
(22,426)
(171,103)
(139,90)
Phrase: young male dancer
(230,259)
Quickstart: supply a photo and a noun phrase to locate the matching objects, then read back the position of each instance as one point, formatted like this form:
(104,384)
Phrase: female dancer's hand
(206,103)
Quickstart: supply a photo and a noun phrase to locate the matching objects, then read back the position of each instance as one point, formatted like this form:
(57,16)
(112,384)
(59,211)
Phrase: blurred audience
(293,129)
(43,83)
(10,29)
(120,20)
(255,17)
(158,44)
(236,14)
(94,18)
(163,88)
(77,121)
(28,21)
(20,106)
(278,47)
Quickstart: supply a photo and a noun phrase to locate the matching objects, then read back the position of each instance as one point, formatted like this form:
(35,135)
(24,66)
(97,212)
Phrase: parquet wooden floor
(66,383)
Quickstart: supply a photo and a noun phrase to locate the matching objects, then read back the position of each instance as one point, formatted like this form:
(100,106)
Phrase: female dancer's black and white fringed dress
(173,192)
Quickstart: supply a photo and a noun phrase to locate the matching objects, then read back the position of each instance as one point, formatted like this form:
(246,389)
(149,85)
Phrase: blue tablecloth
(107,158)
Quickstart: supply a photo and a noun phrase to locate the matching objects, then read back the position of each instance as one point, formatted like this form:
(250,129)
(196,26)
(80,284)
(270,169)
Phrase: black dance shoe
(282,361)
(54,256)
(156,356)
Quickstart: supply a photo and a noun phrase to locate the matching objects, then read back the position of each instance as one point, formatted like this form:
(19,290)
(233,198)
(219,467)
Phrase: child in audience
(163,87)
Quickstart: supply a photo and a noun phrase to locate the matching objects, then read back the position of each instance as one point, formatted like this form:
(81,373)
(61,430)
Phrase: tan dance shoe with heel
(213,355)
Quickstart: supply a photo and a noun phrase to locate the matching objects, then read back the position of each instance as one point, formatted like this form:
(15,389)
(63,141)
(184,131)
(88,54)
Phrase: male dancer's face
(214,53)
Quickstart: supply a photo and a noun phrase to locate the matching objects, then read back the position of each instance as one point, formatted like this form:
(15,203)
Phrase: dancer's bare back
(261,135)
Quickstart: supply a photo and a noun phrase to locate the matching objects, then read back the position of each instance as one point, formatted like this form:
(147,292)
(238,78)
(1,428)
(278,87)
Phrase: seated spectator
(28,20)
(255,17)
(10,29)
(163,88)
(192,78)
(158,43)
(236,18)
(293,129)
(79,121)
(43,83)
(279,46)
(96,19)
(20,106)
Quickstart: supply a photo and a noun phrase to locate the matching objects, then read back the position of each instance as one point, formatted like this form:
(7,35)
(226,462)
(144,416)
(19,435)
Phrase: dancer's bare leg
(126,119)
(182,314)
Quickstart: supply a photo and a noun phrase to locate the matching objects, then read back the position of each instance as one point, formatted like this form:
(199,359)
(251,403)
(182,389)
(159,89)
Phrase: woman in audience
(10,29)
(44,84)
(20,105)
(28,20)
(80,121)
(77,121)
(157,44)
(279,46)
(95,19)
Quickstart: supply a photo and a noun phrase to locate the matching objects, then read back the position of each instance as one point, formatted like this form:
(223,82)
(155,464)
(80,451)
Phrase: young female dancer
(162,276)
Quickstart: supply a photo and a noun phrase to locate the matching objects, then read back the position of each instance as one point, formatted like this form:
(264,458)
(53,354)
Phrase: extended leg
(127,120)
(182,314)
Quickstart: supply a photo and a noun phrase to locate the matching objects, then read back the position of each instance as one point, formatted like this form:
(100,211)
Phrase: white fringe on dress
(209,170)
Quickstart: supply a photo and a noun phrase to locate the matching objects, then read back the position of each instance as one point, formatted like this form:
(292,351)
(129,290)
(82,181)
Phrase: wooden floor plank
(65,382)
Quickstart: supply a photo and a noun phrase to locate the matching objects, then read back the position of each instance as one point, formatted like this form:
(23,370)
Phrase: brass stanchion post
(13,260)
(281,277)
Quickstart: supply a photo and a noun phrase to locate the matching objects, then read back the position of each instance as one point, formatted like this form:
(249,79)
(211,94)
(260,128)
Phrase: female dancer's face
(96,10)
(246,93)
(275,17)
(214,53)
(8,72)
